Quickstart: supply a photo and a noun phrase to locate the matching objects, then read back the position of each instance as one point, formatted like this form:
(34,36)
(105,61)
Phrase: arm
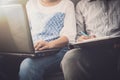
(80,20)
(69,29)
(67,34)
(81,25)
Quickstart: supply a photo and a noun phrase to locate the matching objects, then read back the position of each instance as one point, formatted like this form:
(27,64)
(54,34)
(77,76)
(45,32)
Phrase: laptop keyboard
(47,52)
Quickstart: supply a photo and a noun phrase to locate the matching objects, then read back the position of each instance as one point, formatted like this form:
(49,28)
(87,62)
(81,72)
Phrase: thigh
(44,64)
(99,64)
(90,63)
(102,63)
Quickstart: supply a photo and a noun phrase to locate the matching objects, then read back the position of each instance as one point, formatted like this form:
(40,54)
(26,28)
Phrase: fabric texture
(91,64)
(99,17)
(49,23)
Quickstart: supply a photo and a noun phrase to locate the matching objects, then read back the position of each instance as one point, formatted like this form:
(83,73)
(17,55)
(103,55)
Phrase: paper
(96,39)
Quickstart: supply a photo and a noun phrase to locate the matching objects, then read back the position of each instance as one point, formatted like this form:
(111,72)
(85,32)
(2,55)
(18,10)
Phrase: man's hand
(82,38)
(41,45)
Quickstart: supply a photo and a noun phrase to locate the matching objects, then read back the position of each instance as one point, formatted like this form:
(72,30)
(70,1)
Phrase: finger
(37,43)
(38,46)
(82,38)
(86,37)
(79,40)
(43,48)
(93,36)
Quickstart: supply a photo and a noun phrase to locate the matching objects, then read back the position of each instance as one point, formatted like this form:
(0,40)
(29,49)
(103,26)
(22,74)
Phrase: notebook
(15,35)
(110,41)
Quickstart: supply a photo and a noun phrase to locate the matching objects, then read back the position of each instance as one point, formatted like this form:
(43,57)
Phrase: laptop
(15,35)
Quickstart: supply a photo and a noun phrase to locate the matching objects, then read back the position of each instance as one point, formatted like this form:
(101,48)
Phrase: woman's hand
(60,42)
(41,45)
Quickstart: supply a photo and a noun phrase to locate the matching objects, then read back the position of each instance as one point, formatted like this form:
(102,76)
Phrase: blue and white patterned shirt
(49,23)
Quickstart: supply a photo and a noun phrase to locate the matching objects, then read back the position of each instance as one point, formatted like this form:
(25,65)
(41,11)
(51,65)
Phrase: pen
(83,33)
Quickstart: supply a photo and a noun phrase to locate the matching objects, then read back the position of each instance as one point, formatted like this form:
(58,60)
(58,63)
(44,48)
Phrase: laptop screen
(15,33)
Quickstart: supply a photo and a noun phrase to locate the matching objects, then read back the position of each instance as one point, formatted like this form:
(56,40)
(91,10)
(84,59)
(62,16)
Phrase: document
(96,41)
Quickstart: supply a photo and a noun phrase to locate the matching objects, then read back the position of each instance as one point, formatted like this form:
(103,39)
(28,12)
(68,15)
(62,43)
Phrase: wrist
(51,45)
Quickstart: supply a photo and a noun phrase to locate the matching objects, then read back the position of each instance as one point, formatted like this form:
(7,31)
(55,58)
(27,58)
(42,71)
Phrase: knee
(25,66)
(70,57)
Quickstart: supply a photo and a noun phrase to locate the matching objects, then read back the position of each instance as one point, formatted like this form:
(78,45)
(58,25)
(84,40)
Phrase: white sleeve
(69,29)
(79,19)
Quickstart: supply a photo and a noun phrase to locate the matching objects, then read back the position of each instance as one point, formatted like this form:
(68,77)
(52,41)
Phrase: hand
(41,45)
(82,38)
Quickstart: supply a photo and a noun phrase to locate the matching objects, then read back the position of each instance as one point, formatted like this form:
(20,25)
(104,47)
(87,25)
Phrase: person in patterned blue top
(52,24)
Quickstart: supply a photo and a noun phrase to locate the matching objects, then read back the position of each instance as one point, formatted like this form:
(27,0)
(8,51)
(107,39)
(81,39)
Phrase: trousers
(91,64)
(36,68)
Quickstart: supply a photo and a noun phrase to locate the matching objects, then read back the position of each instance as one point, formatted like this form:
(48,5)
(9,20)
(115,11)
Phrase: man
(96,18)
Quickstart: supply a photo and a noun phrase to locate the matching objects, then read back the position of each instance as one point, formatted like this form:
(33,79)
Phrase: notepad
(97,41)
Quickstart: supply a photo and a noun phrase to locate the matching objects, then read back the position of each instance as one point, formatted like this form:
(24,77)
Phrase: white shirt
(42,19)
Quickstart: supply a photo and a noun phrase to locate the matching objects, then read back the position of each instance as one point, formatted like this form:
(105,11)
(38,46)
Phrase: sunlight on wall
(6,1)
(2,2)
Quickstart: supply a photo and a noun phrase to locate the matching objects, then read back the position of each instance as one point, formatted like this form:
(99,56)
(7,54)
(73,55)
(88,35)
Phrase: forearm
(60,42)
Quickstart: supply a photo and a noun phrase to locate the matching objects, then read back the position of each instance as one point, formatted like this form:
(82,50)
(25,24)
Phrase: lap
(47,63)
(97,61)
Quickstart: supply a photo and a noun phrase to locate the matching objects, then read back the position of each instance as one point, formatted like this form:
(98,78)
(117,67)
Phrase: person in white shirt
(52,24)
